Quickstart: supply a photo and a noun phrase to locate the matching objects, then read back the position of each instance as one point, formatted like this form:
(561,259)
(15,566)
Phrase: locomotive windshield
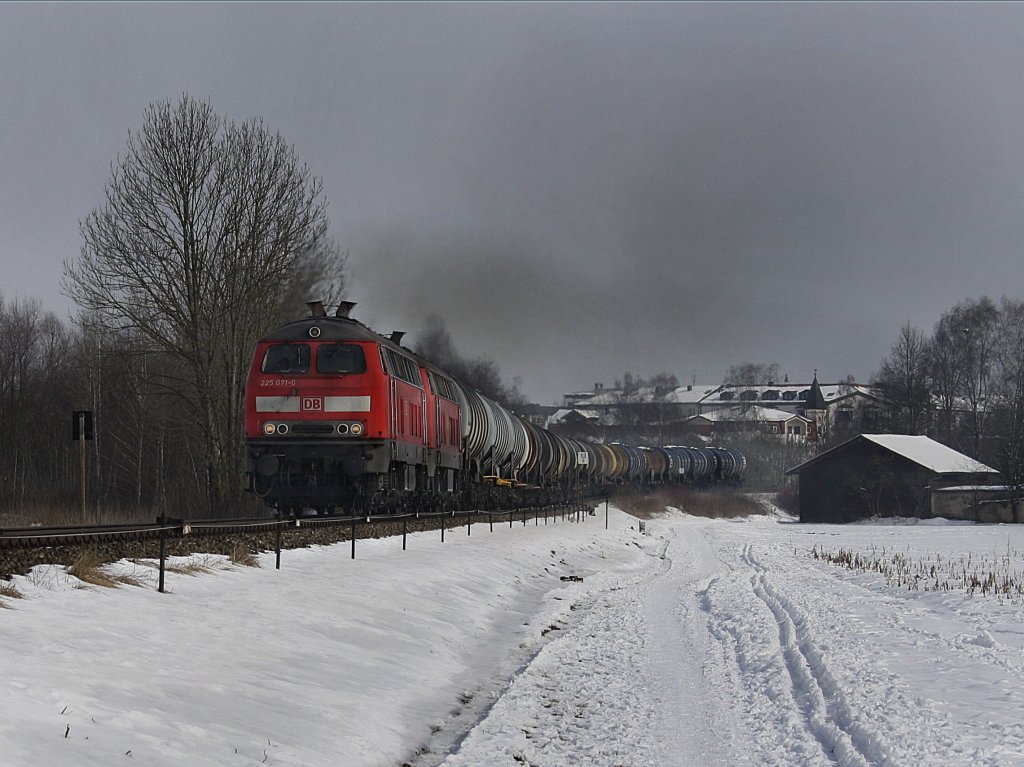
(287,358)
(340,358)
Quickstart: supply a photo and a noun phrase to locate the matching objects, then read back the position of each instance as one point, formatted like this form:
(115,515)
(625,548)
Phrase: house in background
(838,409)
(888,475)
(755,418)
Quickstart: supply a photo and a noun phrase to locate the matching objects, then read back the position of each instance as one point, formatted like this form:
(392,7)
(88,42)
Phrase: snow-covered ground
(700,643)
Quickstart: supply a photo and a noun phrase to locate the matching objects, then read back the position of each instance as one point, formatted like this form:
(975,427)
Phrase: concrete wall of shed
(976,504)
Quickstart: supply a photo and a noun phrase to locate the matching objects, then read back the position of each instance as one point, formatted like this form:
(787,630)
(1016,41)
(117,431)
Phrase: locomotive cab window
(287,358)
(340,358)
(401,367)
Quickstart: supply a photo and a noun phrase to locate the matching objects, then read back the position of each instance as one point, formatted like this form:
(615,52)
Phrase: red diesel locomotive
(336,412)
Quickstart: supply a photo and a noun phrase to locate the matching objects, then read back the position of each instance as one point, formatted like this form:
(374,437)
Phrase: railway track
(24,547)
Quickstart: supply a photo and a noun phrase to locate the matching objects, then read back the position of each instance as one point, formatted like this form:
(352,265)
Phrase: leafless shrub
(788,499)
(641,504)
(718,503)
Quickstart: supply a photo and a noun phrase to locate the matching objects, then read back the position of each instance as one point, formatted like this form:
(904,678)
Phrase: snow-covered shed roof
(930,454)
(923,451)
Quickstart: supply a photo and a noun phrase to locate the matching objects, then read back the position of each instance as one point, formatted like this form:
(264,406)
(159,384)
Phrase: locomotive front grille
(313,428)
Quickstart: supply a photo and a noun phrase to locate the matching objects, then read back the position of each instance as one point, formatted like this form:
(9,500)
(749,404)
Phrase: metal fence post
(469,526)
(353,536)
(277,542)
(163,550)
(490,521)
(405,526)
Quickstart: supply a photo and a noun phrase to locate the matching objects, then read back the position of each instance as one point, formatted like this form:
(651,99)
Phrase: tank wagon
(340,417)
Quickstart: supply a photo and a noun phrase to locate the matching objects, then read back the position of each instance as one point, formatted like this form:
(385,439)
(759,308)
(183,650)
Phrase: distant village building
(831,410)
(885,475)
(756,418)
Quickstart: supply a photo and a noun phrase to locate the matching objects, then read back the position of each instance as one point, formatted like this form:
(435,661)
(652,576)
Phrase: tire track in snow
(844,739)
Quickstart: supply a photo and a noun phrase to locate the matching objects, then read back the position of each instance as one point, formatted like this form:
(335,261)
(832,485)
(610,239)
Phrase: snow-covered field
(700,643)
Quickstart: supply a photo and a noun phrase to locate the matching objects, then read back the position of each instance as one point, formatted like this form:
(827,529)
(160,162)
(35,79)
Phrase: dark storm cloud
(580,189)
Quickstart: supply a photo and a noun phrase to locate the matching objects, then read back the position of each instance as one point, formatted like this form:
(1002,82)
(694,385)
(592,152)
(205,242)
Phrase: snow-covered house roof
(570,416)
(754,413)
(711,396)
(562,414)
(691,394)
(923,451)
(788,392)
(615,397)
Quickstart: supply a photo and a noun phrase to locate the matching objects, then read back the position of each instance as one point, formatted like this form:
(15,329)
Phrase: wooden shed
(888,475)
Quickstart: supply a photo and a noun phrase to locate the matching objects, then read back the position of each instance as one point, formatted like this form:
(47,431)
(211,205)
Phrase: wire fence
(167,529)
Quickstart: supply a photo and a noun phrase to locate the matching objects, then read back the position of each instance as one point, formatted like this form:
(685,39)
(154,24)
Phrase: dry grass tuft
(126,579)
(88,568)
(243,555)
(194,566)
(9,590)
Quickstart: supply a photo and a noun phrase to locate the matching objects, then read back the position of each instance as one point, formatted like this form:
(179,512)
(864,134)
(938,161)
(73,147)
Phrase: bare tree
(1008,408)
(752,374)
(202,226)
(947,360)
(980,321)
(904,376)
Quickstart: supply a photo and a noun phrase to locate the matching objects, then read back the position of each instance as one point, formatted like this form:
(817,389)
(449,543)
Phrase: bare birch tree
(200,233)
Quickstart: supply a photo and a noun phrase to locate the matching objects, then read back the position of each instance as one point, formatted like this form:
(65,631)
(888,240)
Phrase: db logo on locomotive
(313,403)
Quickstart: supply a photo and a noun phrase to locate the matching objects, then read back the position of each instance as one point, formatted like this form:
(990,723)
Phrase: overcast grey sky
(579,189)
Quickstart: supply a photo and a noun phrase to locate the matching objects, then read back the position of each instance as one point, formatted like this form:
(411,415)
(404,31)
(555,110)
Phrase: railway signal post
(81,430)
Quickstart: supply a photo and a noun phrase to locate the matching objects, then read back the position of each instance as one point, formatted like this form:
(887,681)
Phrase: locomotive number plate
(313,403)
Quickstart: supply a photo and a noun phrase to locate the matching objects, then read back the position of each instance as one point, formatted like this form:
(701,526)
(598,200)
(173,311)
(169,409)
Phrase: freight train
(340,418)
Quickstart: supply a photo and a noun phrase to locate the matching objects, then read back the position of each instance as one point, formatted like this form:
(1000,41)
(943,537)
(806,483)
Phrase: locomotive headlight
(269,428)
(356,428)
